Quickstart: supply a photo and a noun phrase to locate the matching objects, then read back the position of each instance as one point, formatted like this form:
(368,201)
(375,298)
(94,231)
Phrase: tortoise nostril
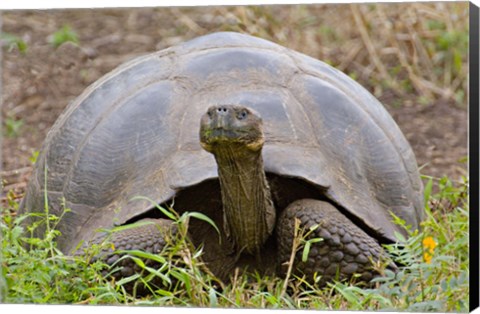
(222,110)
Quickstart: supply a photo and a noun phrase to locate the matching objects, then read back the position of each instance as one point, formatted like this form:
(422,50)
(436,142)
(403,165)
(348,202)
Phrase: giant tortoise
(262,139)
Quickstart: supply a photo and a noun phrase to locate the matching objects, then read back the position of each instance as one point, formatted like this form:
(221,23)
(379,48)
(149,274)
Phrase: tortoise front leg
(149,236)
(345,249)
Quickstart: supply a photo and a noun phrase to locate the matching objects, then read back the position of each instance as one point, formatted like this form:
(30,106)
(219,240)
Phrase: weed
(439,282)
(434,273)
(13,126)
(14,42)
(63,35)
(33,157)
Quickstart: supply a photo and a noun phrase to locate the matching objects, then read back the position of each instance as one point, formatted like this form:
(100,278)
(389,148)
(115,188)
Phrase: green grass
(434,277)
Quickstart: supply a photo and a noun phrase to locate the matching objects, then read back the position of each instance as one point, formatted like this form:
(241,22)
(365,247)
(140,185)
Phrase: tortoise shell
(134,132)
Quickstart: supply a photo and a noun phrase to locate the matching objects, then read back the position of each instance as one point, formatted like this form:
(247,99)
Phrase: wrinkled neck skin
(249,214)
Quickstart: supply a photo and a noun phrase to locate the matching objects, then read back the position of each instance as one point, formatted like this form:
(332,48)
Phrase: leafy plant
(63,35)
(33,157)
(13,127)
(14,42)
(434,273)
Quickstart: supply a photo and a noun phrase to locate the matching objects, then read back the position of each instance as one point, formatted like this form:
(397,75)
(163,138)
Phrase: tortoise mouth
(220,134)
(215,140)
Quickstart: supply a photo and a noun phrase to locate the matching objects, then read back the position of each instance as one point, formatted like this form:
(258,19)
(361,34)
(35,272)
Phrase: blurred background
(411,56)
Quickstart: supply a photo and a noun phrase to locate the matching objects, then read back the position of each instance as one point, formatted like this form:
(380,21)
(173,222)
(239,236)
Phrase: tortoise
(262,139)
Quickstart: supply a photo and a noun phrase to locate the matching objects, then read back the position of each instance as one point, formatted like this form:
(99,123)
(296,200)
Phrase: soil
(39,84)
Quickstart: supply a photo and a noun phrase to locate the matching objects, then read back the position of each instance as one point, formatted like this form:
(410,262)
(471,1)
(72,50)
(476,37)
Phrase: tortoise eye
(242,115)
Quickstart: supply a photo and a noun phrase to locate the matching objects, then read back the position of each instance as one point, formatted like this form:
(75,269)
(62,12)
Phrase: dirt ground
(39,84)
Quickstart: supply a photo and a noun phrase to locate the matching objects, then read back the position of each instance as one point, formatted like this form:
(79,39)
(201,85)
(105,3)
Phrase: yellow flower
(427,257)
(429,245)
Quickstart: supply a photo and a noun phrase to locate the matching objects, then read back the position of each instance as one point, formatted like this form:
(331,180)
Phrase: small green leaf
(457,61)
(306,251)
(463,159)
(427,191)
(13,127)
(399,237)
(203,217)
(169,214)
(184,277)
(63,35)
(14,42)
(348,294)
(33,157)
(453,283)
(212,295)
(159,274)
(127,279)
(145,255)
(306,248)
(313,228)
(131,226)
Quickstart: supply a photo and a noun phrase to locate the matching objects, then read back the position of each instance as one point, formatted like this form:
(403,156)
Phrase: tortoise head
(231,126)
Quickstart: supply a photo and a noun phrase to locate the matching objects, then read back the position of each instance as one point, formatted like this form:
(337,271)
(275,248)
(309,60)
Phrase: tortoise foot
(148,236)
(344,251)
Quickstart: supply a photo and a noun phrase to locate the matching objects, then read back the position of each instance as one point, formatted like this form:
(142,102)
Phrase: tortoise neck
(249,214)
